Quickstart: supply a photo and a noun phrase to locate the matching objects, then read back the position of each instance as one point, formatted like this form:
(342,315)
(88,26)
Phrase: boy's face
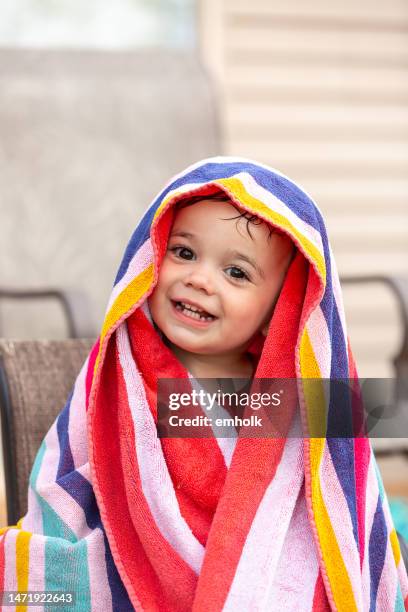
(212,264)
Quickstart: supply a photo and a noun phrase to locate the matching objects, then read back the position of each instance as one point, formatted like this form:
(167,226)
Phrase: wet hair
(221,196)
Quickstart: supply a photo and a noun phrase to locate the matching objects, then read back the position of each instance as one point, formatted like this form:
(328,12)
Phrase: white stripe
(77,426)
(139,262)
(320,341)
(101,596)
(295,581)
(156,482)
(230,159)
(226,444)
(68,510)
(146,311)
(277,205)
(339,514)
(36,572)
(32,521)
(263,546)
(387,587)
(10,558)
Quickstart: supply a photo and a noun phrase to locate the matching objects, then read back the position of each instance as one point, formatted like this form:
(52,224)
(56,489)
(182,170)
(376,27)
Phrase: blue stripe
(120,598)
(139,237)
(376,551)
(66,462)
(339,421)
(284,189)
(80,489)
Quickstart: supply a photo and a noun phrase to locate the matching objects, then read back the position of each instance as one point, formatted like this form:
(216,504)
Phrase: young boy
(123,520)
(218,285)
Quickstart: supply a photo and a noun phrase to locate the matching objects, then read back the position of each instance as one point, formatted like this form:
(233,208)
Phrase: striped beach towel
(128,521)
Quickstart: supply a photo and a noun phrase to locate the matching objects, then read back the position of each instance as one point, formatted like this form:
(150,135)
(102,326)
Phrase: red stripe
(361,455)
(2,560)
(90,372)
(151,570)
(320,601)
(255,461)
(203,475)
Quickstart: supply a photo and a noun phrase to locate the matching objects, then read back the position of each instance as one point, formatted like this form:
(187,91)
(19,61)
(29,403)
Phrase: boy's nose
(199,281)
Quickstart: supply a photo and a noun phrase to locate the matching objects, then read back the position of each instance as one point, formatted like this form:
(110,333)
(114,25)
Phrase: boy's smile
(217,285)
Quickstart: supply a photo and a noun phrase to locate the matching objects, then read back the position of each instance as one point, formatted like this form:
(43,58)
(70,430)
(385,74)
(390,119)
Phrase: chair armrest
(74,303)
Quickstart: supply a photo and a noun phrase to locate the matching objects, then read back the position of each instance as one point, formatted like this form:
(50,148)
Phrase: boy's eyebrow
(181,234)
(249,260)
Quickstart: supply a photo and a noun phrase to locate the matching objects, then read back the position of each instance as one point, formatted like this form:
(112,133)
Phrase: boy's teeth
(193,312)
(191,307)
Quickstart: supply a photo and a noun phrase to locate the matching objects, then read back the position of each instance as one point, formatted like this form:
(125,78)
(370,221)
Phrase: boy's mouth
(194,312)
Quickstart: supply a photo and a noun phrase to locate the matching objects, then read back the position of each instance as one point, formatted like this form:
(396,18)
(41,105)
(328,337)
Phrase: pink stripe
(338,296)
(155,479)
(361,463)
(77,419)
(33,519)
(298,565)
(36,578)
(387,588)
(140,261)
(10,570)
(101,596)
(64,505)
(263,545)
(320,341)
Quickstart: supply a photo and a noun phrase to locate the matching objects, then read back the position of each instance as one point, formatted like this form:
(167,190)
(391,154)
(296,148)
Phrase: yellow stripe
(317,417)
(163,203)
(336,570)
(309,368)
(235,187)
(313,388)
(125,300)
(22,563)
(395,547)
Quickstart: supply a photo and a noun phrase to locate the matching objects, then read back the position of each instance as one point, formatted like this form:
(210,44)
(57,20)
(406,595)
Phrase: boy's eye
(182,252)
(237,273)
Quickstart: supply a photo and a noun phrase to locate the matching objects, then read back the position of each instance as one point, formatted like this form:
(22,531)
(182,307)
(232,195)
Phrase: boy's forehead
(218,225)
(206,215)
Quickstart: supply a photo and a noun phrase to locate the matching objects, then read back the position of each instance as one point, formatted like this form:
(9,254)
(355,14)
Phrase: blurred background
(101,102)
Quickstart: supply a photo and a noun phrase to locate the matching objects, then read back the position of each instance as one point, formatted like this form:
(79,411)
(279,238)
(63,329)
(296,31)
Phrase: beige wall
(319,90)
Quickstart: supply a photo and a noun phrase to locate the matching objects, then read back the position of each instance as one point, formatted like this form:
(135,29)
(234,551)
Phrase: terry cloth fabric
(129,521)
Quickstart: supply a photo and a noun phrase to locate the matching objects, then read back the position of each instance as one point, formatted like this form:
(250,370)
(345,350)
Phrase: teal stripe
(66,569)
(37,465)
(399,602)
(380,482)
(66,557)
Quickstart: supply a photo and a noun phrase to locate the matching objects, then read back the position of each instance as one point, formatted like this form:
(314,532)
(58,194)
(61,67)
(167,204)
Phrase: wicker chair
(35,380)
